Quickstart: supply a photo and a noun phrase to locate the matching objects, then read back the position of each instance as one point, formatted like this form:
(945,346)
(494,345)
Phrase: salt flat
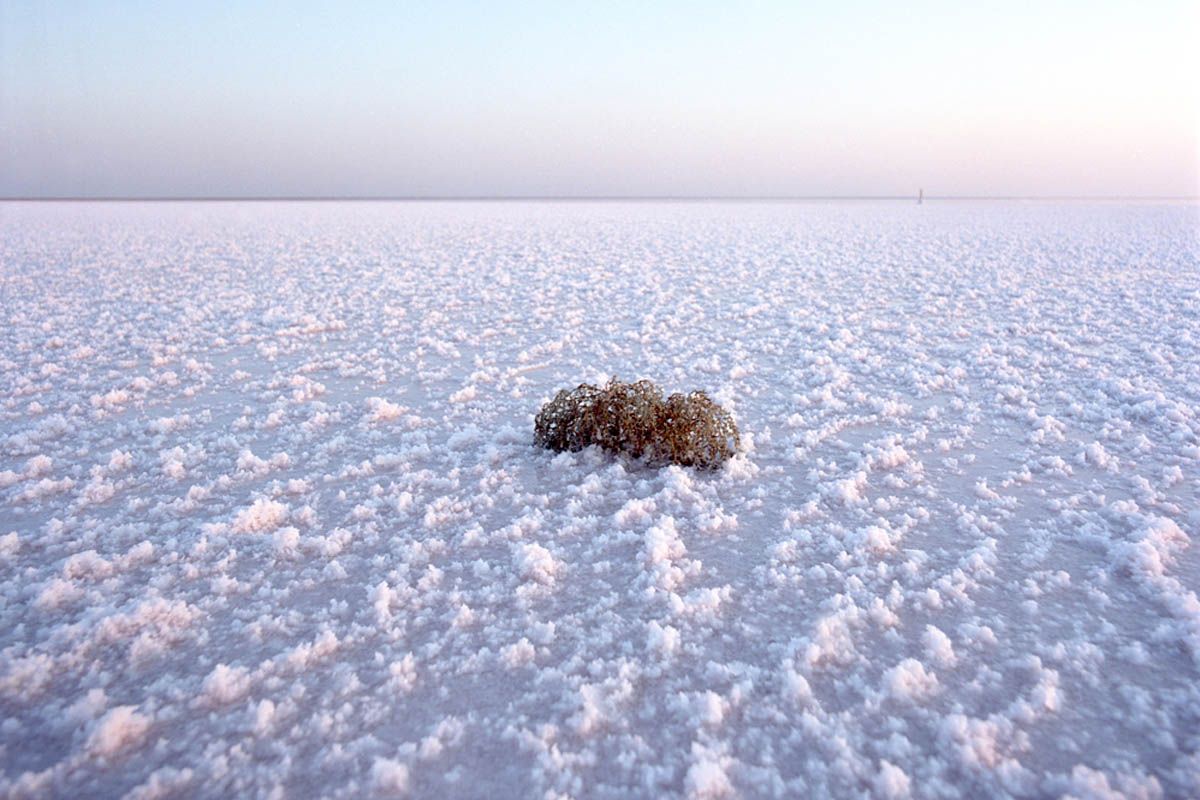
(272,522)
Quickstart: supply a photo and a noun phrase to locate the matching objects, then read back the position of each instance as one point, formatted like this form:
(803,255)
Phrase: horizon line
(560,198)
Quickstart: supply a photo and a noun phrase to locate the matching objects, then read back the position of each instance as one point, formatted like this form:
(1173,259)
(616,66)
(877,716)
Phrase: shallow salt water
(271,520)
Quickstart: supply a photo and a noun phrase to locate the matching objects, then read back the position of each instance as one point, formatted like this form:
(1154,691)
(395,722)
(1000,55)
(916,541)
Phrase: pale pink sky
(585,99)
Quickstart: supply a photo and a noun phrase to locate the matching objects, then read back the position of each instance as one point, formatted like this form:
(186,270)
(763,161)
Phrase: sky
(582,99)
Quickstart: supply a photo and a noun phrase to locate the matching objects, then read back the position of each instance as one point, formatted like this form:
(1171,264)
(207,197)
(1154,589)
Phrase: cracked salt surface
(271,520)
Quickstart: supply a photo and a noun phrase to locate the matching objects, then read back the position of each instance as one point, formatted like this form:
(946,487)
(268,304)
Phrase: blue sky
(586,99)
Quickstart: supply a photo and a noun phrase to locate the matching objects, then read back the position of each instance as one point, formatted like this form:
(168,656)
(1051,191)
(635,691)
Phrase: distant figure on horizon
(920,196)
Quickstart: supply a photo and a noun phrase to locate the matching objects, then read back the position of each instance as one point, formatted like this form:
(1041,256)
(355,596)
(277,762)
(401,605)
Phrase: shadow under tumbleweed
(634,418)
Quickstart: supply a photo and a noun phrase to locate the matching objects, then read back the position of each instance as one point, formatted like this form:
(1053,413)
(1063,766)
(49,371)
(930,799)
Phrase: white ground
(271,520)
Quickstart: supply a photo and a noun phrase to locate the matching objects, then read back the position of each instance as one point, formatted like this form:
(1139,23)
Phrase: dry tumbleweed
(633,418)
